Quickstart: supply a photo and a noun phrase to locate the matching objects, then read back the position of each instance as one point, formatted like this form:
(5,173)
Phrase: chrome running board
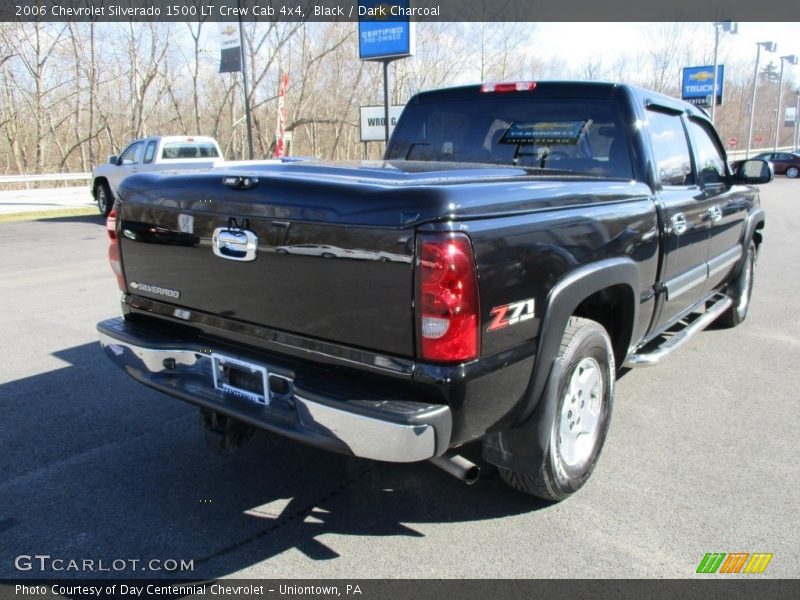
(674,340)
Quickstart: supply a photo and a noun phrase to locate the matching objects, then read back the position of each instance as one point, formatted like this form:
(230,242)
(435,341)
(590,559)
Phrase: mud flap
(524,448)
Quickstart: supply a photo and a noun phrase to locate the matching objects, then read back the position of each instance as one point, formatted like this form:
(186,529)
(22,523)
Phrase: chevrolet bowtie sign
(230,48)
(698,84)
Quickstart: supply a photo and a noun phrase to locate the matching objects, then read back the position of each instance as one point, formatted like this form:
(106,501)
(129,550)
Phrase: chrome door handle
(715,214)
(679,223)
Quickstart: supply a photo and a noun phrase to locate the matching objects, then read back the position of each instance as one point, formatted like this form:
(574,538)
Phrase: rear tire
(105,201)
(792,172)
(740,290)
(585,395)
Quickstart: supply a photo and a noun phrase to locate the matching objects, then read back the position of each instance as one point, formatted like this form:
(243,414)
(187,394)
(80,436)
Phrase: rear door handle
(715,213)
(679,223)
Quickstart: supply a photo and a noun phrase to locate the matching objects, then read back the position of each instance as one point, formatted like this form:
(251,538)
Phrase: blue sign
(698,84)
(384,29)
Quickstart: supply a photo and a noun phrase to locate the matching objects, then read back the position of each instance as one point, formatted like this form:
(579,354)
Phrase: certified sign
(384,30)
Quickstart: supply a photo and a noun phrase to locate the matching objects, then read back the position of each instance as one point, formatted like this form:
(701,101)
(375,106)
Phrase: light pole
(726,27)
(769,47)
(792,60)
(796,137)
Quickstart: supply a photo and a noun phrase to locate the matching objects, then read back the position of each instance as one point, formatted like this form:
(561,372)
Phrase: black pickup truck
(519,244)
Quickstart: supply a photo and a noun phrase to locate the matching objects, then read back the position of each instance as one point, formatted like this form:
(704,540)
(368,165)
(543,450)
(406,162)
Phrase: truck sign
(698,84)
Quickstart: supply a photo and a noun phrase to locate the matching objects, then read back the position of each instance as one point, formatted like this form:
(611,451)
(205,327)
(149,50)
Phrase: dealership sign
(372,122)
(385,31)
(230,48)
(698,84)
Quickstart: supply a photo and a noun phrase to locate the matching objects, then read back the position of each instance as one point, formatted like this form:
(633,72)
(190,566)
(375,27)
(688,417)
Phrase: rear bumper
(349,422)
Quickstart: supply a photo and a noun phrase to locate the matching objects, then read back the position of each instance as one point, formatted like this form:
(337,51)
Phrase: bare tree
(591,69)
(72,92)
(146,46)
(34,45)
(670,49)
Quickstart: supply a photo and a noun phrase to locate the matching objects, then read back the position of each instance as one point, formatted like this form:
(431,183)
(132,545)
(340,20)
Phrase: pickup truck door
(729,205)
(685,209)
(128,163)
(149,157)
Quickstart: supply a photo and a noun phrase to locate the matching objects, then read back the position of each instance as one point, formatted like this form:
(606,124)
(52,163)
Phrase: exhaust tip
(472,475)
(458,466)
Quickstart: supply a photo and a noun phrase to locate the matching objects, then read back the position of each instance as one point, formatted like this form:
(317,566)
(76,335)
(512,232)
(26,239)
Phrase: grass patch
(49,214)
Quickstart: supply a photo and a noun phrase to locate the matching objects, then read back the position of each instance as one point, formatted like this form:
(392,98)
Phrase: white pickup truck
(152,154)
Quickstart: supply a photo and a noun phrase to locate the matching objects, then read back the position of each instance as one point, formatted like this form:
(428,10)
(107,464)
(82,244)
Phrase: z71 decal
(511,314)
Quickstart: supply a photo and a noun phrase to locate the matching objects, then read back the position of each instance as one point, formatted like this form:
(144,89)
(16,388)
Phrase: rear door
(149,156)
(685,207)
(729,205)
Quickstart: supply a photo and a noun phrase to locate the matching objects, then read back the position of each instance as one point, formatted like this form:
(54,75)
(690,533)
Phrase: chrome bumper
(374,428)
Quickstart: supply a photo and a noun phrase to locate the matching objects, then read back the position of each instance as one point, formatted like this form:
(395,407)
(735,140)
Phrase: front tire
(105,201)
(585,394)
(740,290)
(792,172)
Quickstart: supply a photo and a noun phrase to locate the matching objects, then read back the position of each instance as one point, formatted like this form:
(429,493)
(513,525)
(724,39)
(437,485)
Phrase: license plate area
(241,378)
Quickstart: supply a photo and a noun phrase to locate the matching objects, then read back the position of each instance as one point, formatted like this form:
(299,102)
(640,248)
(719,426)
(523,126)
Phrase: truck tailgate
(312,272)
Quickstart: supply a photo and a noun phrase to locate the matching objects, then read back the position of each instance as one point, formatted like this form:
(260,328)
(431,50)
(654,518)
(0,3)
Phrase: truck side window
(710,163)
(132,154)
(671,148)
(149,152)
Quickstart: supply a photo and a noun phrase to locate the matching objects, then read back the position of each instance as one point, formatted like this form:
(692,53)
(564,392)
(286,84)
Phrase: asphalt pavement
(701,456)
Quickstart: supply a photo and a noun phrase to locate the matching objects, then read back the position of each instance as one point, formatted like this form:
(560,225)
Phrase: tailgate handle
(234,244)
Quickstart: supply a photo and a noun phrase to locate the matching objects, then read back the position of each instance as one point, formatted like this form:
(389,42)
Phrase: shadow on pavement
(97,466)
(94,219)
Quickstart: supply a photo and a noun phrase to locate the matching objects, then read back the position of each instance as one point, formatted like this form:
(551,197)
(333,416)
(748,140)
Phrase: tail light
(448,316)
(113,249)
(511,86)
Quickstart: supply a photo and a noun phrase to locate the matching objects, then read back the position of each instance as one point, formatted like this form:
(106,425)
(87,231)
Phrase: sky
(574,43)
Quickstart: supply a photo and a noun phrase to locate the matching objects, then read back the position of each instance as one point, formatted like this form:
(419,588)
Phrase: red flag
(280,147)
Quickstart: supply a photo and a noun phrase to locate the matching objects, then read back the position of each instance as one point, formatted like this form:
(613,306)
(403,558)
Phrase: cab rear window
(189,150)
(580,136)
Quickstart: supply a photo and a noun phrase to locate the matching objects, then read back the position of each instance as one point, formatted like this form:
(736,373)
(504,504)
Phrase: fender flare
(523,447)
(755,220)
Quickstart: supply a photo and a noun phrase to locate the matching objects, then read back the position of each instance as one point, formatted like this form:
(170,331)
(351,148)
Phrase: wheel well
(613,308)
(757,237)
(97,182)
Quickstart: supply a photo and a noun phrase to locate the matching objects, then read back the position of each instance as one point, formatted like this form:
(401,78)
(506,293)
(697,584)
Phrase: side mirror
(754,171)
(112,159)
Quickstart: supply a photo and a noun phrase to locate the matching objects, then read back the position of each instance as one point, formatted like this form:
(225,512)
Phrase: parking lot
(701,456)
